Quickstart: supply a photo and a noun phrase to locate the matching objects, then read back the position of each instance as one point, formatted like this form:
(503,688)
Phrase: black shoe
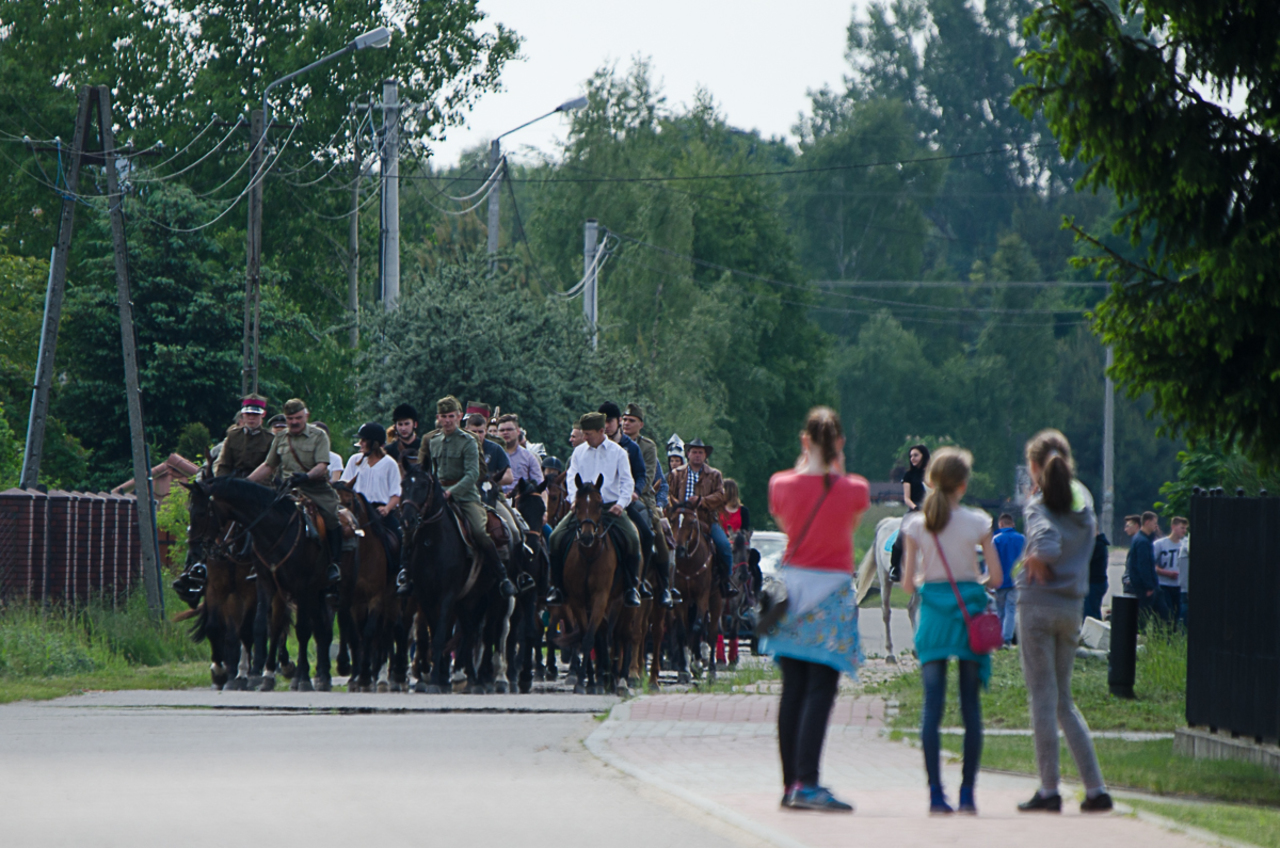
(333,575)
(1039,804)
(507,588)
(631,598)
(524,581)
(555,597)
(1100,803)
(727,590)
(676,597)
(645,591)
(665,599)
(404,586)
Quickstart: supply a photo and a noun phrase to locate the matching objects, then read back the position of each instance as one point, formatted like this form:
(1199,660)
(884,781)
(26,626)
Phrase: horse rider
(277,424)
(453,455)
(493,459)
(243,449)
(404,443)
(675,457)
(301,453)
(700,486)
(376,476)
(597,457)
(524,465)
(655,482)
(636,509)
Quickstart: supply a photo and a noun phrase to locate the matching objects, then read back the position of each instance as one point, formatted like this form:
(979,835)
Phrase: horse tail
(200,626)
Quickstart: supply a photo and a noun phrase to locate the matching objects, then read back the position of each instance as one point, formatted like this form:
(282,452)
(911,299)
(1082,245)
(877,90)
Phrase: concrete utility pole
(353,249)
(495,221)
(1109,450)
(53,304)
(253,261)
(142,484)
(590,271)
(390,195)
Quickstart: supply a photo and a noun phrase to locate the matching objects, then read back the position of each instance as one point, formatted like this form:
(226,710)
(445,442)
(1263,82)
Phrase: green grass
(1159,705)
(1256,825)
(1149,766)
(45,653)
(898,600)
(729,682)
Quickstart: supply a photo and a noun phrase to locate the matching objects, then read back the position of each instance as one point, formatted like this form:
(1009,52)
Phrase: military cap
(277,421)
(293,406)
(591,421)
(253,405)
(635,410)
(448,404)
(475,407)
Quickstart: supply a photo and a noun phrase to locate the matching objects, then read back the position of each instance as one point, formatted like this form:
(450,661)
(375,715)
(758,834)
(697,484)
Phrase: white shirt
(335,461)
(610,460)
(959,539)
(1166,554)
(378,483)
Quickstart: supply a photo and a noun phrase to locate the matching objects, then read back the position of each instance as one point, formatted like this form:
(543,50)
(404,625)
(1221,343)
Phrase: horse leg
(217,649)
(885,594)
(322,634)
(439,642)
(500,682)
(347,635)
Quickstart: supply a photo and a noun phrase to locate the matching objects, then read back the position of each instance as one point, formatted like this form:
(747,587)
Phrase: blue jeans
(1093,601)
(934,675)
(1007,609)
(723,550)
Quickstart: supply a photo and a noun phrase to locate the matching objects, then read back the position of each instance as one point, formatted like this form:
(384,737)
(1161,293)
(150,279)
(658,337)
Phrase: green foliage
(1209,465)
(1135,92)
(10,454)
(173,517)
(1248,824)
(194,442)
(469,333)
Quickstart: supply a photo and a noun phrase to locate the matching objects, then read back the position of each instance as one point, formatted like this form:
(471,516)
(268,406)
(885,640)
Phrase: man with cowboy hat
(453,455)
(632,424)
(598,457)
(700,486)
(301,455)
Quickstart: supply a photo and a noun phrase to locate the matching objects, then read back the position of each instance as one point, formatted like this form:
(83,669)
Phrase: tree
(1135,94)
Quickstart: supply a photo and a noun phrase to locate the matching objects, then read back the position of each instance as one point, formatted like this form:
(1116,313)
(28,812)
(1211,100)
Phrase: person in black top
(913,497)
(496,470)
(404,442)
(1097,577)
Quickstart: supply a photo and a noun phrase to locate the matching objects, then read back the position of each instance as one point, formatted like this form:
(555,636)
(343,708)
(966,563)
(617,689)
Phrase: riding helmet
(373,433)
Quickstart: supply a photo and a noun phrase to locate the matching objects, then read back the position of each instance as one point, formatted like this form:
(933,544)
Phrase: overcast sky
(756,57)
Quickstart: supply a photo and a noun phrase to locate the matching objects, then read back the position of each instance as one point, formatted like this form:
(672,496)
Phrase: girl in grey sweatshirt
(1052,583)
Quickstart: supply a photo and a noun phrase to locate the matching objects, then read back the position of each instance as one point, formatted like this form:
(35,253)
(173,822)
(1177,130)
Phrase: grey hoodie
(1065,542)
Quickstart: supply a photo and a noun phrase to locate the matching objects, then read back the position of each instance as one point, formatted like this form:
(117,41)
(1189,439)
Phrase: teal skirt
(826,634)
(941,632)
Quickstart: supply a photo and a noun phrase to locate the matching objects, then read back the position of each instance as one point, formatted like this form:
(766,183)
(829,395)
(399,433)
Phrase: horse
(740,614)
(557,496)
(448,584)
(875,568)
(366,597)
(285,549)
(694,614)
(592,584)
(532,559)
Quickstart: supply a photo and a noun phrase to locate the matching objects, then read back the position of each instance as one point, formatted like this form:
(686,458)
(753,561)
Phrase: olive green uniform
(242,451)
(290,454)
(455,461)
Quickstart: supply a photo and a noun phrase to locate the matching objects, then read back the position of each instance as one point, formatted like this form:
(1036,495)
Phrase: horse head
(528,504)
(687,529)
(206,517)
(557,495)
(588,506)
(421,496)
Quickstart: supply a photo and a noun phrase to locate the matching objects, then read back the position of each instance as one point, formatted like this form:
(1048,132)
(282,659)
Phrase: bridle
(681,513)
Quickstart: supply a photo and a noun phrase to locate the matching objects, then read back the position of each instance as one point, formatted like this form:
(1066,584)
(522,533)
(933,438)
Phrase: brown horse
(692,617)
(557,496)
(366,596)
(591,587)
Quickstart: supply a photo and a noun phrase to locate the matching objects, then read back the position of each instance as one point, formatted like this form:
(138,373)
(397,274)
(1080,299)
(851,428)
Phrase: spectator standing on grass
(1097,577)
(1061,537)
(1009,543)
(1184,568)
(1166,560)
(941,538)
(818,506)
(1140,565)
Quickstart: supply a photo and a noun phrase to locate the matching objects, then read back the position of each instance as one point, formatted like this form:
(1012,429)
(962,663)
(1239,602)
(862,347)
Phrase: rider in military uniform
(301,455)
(453,456)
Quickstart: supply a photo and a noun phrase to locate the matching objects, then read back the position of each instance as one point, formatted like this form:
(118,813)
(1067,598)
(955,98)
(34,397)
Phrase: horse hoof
(288,669)
(304,684)
(500,687)
(254,682)
(268,684)
(579,690)
(622,691)
(433,689)
(324,684)
(633,682)
(526,686)
(383,687)
(240,684)
(219,681)
(684,677)
(552,672)
(571,680)
(353,686)
(474,689)
(293,685)
(421,688)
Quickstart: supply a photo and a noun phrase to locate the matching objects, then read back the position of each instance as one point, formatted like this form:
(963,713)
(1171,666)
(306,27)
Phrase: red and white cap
(253,405)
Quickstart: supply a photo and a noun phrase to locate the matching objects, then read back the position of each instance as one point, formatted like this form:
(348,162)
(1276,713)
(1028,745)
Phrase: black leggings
(808,691)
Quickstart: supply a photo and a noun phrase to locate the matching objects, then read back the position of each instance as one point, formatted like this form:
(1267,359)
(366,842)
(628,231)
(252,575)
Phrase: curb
(597,744)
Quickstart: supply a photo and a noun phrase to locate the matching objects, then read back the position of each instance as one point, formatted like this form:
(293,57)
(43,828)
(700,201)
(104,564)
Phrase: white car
(771,544)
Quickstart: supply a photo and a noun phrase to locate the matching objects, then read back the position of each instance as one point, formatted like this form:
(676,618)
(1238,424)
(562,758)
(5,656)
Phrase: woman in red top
(819,507)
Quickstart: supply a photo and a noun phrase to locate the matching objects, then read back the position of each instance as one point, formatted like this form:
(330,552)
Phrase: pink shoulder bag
(984,628)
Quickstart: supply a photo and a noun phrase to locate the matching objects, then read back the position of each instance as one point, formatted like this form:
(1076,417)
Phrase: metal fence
(67,546)
(1233,647)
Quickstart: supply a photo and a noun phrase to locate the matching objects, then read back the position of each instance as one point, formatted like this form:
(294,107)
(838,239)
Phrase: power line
(515,208)
(948,284)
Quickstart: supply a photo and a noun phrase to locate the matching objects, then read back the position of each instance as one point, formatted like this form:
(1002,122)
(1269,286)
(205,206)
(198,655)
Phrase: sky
(758,58)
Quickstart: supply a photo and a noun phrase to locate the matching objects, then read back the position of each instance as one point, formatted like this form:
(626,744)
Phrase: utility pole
(353,249)
(1109,449)
(142,484)
(53,304)
(391,195)
(253,262)
(495,156)
(590,270)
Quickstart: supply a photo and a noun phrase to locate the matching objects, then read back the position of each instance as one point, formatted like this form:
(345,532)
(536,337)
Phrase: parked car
(771,544)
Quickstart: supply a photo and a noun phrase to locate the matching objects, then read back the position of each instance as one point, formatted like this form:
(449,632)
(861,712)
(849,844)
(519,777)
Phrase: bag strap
(289,440)
(964,610)
(826,489)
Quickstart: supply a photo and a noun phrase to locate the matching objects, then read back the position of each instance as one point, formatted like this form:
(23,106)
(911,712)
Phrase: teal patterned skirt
(826,634)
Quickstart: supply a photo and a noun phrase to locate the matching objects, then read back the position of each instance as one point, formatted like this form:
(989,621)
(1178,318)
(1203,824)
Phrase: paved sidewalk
(720,753)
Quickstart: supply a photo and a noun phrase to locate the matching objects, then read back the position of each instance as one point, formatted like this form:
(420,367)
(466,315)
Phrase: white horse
(875,568)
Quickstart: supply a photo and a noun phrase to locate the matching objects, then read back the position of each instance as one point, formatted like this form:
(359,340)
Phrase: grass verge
(1256,825)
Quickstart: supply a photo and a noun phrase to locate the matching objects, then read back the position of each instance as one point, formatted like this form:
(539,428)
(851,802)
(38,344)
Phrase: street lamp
(260,123)
(495,156)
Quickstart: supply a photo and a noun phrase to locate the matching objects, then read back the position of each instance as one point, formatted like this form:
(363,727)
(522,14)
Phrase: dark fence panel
(1233,646)
(67,546)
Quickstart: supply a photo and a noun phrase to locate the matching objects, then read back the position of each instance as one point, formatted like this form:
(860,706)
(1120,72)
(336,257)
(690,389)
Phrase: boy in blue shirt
(1009,544)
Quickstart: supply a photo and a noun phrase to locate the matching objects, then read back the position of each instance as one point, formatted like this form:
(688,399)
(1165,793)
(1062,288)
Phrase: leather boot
(334,574)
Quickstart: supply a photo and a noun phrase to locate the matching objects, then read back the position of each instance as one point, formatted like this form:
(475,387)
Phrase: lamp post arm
(527,123)
(266,108)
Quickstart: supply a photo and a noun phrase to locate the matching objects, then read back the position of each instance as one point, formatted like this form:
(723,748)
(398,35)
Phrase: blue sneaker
(938,805)
(818,798)
(967,807)
(789,796)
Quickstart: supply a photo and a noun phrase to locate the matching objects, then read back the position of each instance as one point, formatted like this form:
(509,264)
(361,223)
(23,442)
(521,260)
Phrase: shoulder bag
(773,598)
(984,628)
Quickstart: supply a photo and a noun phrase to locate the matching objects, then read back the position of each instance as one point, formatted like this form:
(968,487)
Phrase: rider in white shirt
(374,474)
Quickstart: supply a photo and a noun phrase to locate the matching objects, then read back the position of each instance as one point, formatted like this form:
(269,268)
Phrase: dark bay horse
(592,585)
(284,550)
(366,597)
(693,619)
(533,559)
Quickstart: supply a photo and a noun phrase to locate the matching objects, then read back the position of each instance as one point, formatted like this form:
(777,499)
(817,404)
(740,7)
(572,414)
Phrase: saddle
(494,527)
(316,529)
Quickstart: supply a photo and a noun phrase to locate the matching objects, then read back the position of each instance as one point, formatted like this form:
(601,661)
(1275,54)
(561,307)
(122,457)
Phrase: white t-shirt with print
(1166,554)
(959,539)
(378,483)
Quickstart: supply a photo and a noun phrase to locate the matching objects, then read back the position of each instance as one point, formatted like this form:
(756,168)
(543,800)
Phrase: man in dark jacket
(1097,577)
(1140,565)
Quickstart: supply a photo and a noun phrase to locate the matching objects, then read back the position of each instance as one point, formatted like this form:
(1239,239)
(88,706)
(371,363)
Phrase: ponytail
(825,432)
(948,470)
(1051,453)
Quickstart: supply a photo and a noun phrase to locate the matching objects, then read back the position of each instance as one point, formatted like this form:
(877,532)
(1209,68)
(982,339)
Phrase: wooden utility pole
(142,485)
(353,249)
(53,303)
(1109,449)
(253,262)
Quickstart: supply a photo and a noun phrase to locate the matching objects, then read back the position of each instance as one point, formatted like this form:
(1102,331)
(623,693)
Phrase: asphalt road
(84,772)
